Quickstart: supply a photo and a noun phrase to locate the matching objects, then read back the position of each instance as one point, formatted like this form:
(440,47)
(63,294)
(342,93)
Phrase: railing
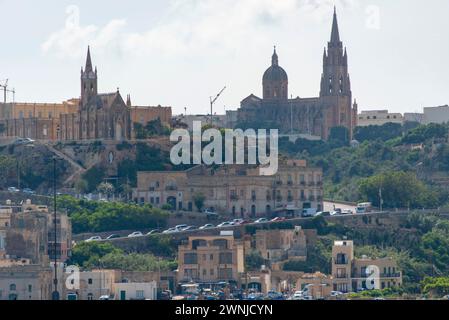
(171,188)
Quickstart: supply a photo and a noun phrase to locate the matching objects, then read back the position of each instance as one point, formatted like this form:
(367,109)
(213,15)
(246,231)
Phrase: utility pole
(55,295)
(212,102)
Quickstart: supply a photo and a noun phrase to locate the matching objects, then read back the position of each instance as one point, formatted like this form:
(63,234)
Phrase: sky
(180,52)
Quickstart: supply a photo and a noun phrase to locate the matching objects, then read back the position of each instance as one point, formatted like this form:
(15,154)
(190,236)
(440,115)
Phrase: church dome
(275,80)
(275,72)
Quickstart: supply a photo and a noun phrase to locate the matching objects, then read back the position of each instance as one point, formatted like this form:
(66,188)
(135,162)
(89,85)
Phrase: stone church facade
(310,116)
(100,116)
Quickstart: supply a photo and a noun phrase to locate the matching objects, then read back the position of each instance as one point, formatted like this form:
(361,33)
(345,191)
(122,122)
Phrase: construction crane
(212,102)
(6,90)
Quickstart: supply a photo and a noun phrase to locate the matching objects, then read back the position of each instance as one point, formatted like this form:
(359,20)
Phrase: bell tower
(335,79)
(89,81)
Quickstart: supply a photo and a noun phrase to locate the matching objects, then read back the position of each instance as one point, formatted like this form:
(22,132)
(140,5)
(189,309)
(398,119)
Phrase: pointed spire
(88,61)
(335,36)
(275,58)
(128,100)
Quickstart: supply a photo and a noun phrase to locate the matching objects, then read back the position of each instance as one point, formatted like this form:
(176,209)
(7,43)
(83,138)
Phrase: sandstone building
(211,259)
(350,273)
(312,116)
(94,116)
(238,191)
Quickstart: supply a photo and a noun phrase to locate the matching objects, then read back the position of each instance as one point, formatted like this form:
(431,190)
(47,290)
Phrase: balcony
(311,184)
(290,183)
(390,275)
(341,262)
(312,198)
(171,188)
(290,199)
(278,183)
(253,198)
(234,197)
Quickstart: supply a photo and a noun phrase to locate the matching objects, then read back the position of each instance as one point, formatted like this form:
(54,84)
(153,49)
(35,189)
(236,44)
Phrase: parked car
(306,213)
(207,226)
(298,296)
(28,191)
(336,293)
(211,214)
(261,220)
(171,230)
(237,222)
(278,219)
(224,224)
(365,207)
(152,232)
(135,234)
(323,214)
(113,236)
(13,189)
(190,228)
(94,238)
(181,227)
(23,141)
(347,211)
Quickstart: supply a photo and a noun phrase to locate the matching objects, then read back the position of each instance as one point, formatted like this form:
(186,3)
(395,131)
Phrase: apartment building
(210,259)
(237,190)
(352,274)
(378,118)
(25,227)
(281,245)
(25,282)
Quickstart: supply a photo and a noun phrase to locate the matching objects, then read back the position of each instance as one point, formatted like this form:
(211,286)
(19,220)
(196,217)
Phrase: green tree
(199,200)
(106,189)
(85,253)
(398,189)
(82,186)
(436,286)
(254,261)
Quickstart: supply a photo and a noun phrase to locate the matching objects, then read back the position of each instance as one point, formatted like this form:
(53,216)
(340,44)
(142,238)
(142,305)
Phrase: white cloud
(189,27)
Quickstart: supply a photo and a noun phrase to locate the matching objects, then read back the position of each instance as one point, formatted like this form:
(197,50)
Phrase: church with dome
(314,117)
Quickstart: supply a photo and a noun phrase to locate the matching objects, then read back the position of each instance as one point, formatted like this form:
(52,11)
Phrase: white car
(94,238)
(171,230)
(347,211)
(135,234)
(181,227)
(224,225)
(238,222)
(298,296)
(261,220)
(207,226)
(13,189)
